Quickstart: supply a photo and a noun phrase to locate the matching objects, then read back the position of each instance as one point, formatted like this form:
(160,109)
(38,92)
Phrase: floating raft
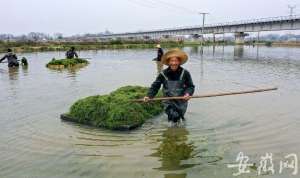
(66,63)
(115,111)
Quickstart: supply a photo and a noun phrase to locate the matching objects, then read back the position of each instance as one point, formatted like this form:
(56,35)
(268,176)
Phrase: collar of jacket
(170,71)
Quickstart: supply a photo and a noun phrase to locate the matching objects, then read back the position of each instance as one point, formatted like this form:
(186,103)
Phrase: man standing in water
(176,81)
(71,53)
(159,64)
(11,58)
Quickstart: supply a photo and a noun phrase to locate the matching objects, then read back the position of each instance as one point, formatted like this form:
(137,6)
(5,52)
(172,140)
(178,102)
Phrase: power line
(203,23)
(174,6)
(162,5)
(141,3)
(149,4)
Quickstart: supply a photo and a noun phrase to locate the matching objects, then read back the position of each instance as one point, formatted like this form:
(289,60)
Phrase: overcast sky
(93,16)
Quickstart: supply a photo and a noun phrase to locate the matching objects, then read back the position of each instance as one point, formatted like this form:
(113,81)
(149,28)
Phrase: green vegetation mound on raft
(115,111)
(64,63)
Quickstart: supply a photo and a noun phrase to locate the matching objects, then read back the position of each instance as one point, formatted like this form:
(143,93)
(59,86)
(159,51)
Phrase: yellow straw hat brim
(181,55)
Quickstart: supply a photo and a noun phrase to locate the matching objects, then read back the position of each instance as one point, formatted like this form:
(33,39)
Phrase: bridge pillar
(240,37)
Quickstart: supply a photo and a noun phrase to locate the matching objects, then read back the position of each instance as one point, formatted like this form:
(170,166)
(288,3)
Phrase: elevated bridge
(239,28)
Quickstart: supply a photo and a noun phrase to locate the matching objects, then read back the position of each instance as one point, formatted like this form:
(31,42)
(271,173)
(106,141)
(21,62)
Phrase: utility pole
(203,23)
(292,9)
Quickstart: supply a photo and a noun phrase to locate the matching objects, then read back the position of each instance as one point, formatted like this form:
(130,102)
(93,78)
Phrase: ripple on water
(35,143)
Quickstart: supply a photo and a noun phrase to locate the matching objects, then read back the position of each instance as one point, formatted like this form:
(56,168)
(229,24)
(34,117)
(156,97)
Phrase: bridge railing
(240,22)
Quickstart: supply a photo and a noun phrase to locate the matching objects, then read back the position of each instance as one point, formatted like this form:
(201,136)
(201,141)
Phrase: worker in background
(71,54)
(159,64)
(12,59)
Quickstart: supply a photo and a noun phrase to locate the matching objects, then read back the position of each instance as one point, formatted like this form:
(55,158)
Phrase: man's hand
(187,97)
(146,99)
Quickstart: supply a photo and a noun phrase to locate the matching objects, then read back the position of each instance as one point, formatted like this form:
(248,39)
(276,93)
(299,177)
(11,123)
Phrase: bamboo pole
(210,95)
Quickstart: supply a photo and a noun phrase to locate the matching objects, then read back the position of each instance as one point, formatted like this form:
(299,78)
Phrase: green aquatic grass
(115,111)
(66,62)
(24,61)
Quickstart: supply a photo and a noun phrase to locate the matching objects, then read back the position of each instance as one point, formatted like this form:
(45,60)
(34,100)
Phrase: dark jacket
(160,53)
(11,58)
(71,54)
(172,75)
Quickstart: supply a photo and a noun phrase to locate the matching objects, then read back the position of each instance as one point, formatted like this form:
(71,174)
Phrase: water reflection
(223,52)
(194,50)
(183,175)
(257,51)
(13,73)
(218,52)
(25,70)
(71,71)
(173,149)
(34,134)
(238,51)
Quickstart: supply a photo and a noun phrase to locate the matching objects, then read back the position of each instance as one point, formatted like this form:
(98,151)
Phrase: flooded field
(35,143)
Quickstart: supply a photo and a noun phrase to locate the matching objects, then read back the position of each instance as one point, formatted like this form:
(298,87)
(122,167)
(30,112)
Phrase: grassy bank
(117,44)
(64,46)
(275,43)
(114,111)
(287,44)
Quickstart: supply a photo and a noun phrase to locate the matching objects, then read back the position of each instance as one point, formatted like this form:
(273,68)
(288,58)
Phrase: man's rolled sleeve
(190,87)
(155,86)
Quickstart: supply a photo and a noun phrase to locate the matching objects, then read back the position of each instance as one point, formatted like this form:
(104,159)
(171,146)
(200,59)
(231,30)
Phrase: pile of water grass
(66,63)
(115,111)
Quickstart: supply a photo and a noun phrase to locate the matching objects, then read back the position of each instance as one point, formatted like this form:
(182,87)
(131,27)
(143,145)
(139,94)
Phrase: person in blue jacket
(12,59)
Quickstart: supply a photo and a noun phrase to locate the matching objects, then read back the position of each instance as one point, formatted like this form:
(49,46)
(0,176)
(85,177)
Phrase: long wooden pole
(210,95)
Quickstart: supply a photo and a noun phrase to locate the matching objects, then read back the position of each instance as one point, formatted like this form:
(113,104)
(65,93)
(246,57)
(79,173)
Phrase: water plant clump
(115,111)
(64,63)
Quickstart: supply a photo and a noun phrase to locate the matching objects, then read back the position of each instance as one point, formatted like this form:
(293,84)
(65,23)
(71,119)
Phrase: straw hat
(158,46)
(182,56)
